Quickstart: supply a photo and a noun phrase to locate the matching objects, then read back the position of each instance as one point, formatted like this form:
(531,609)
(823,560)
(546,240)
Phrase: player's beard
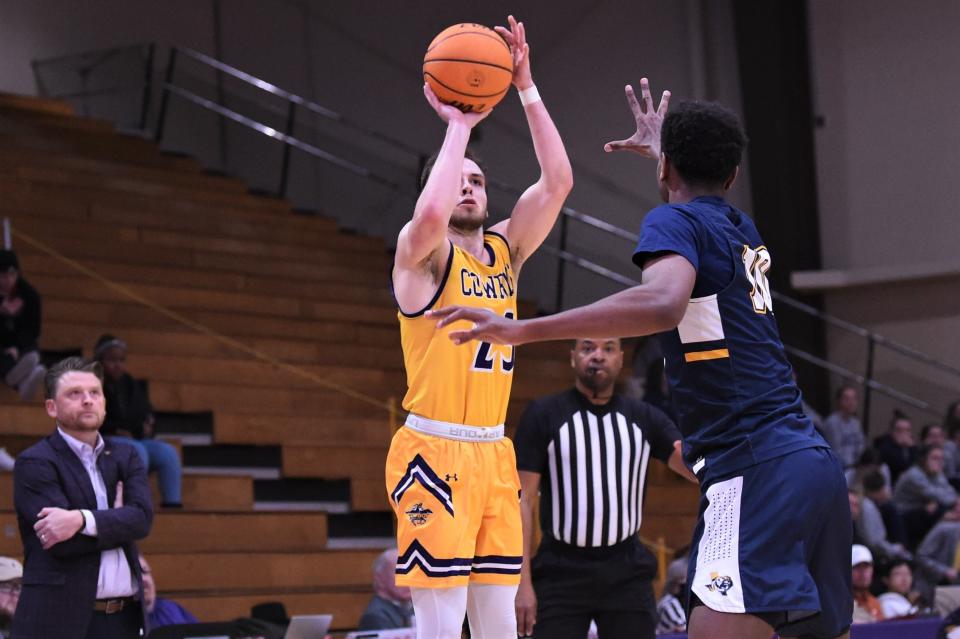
(468,222)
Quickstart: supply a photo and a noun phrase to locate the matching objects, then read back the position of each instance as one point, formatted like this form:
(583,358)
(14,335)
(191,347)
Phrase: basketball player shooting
(451,474)
(771,550)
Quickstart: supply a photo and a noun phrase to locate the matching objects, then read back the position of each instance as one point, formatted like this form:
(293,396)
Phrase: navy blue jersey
(732,384)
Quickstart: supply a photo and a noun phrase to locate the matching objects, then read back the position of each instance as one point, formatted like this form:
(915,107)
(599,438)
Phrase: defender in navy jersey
(772,544)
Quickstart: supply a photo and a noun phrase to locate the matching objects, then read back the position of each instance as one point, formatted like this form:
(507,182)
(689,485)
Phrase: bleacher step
(259,462)
(302,494)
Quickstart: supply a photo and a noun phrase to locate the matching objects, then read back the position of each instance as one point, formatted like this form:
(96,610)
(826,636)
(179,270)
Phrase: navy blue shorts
(774,541)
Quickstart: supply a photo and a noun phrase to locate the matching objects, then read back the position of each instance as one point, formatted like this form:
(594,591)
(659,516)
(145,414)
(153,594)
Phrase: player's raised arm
(654,306)
(537,209)
(646,139)
(427,231)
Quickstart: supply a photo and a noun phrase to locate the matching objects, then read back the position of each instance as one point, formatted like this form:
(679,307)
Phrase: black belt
(111,606)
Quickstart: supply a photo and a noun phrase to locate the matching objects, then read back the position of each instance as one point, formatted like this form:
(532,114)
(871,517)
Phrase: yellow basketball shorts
(458,510)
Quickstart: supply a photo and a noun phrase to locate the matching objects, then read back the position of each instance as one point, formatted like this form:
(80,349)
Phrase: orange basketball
(469,66)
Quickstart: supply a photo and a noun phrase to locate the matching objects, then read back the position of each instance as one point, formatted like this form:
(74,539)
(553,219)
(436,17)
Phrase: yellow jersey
(467,384)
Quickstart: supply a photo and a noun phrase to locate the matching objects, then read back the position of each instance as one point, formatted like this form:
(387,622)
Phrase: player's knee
(497,627)
(492,612)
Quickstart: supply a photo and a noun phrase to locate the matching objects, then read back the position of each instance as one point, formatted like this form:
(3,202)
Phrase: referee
(592,446)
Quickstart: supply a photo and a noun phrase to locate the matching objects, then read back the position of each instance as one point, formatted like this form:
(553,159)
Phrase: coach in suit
(81,502)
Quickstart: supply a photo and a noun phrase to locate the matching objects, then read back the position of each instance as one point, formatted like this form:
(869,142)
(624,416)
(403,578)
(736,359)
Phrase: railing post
(165,97)
(561,263)
(147,86)
(868,378)
(285,165)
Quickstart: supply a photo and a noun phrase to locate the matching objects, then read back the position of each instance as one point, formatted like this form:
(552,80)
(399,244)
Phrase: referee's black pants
(612,586)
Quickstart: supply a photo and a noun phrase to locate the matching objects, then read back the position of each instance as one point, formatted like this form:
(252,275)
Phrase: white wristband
(529,95)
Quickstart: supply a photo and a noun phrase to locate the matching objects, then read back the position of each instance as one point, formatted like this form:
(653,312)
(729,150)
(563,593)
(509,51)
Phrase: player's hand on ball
(516,37)
(450,113)
(487,325)
(646,141)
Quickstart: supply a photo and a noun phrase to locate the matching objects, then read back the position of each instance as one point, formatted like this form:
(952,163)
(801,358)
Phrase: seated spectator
(671,613)
(878,492)
(130,416)
(935,435)
(19,329)
(842,428)
(869,529)
(866,607)
(951,426)
(900,599)
(897,448)
(855,499)
(11,580)
(923,494)
(936,557)
(951,421)
(391,605)
(869,462)
(158,611)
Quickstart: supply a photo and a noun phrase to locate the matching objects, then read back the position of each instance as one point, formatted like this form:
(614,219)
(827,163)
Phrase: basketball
(469,66)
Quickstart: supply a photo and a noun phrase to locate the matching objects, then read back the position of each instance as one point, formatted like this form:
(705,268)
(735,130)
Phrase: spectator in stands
(935,435)
(937,554)
(866,607)
(923,494)
(130,416)
(897,448)
(869,529)
(952,419)
(878,492)
(671,613)
(20,312)
(842,428)
(11,581)
(899,600)
(951,425)
(869,463)
(391,606)
(159,611)
(855,499)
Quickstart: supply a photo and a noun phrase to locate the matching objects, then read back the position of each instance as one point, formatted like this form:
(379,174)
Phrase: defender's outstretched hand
(487,325)
(449,113)
(646,141)
(516,37)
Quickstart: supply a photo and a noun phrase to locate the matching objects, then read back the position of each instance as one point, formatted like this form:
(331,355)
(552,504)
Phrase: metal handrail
(104,51)
(306,147)
(286,137)
(98,57)
(300,101)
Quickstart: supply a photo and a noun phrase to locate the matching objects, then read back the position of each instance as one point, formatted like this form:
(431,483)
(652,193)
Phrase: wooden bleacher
(293,287)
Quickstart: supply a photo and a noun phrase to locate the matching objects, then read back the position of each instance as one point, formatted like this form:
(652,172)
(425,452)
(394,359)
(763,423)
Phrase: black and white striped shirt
(593,463)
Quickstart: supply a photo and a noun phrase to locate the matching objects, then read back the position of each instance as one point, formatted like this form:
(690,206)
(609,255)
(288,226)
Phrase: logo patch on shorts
(720,583)
(418,514)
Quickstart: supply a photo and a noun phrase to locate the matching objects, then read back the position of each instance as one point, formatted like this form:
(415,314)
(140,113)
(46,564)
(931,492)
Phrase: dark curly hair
(704,141)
